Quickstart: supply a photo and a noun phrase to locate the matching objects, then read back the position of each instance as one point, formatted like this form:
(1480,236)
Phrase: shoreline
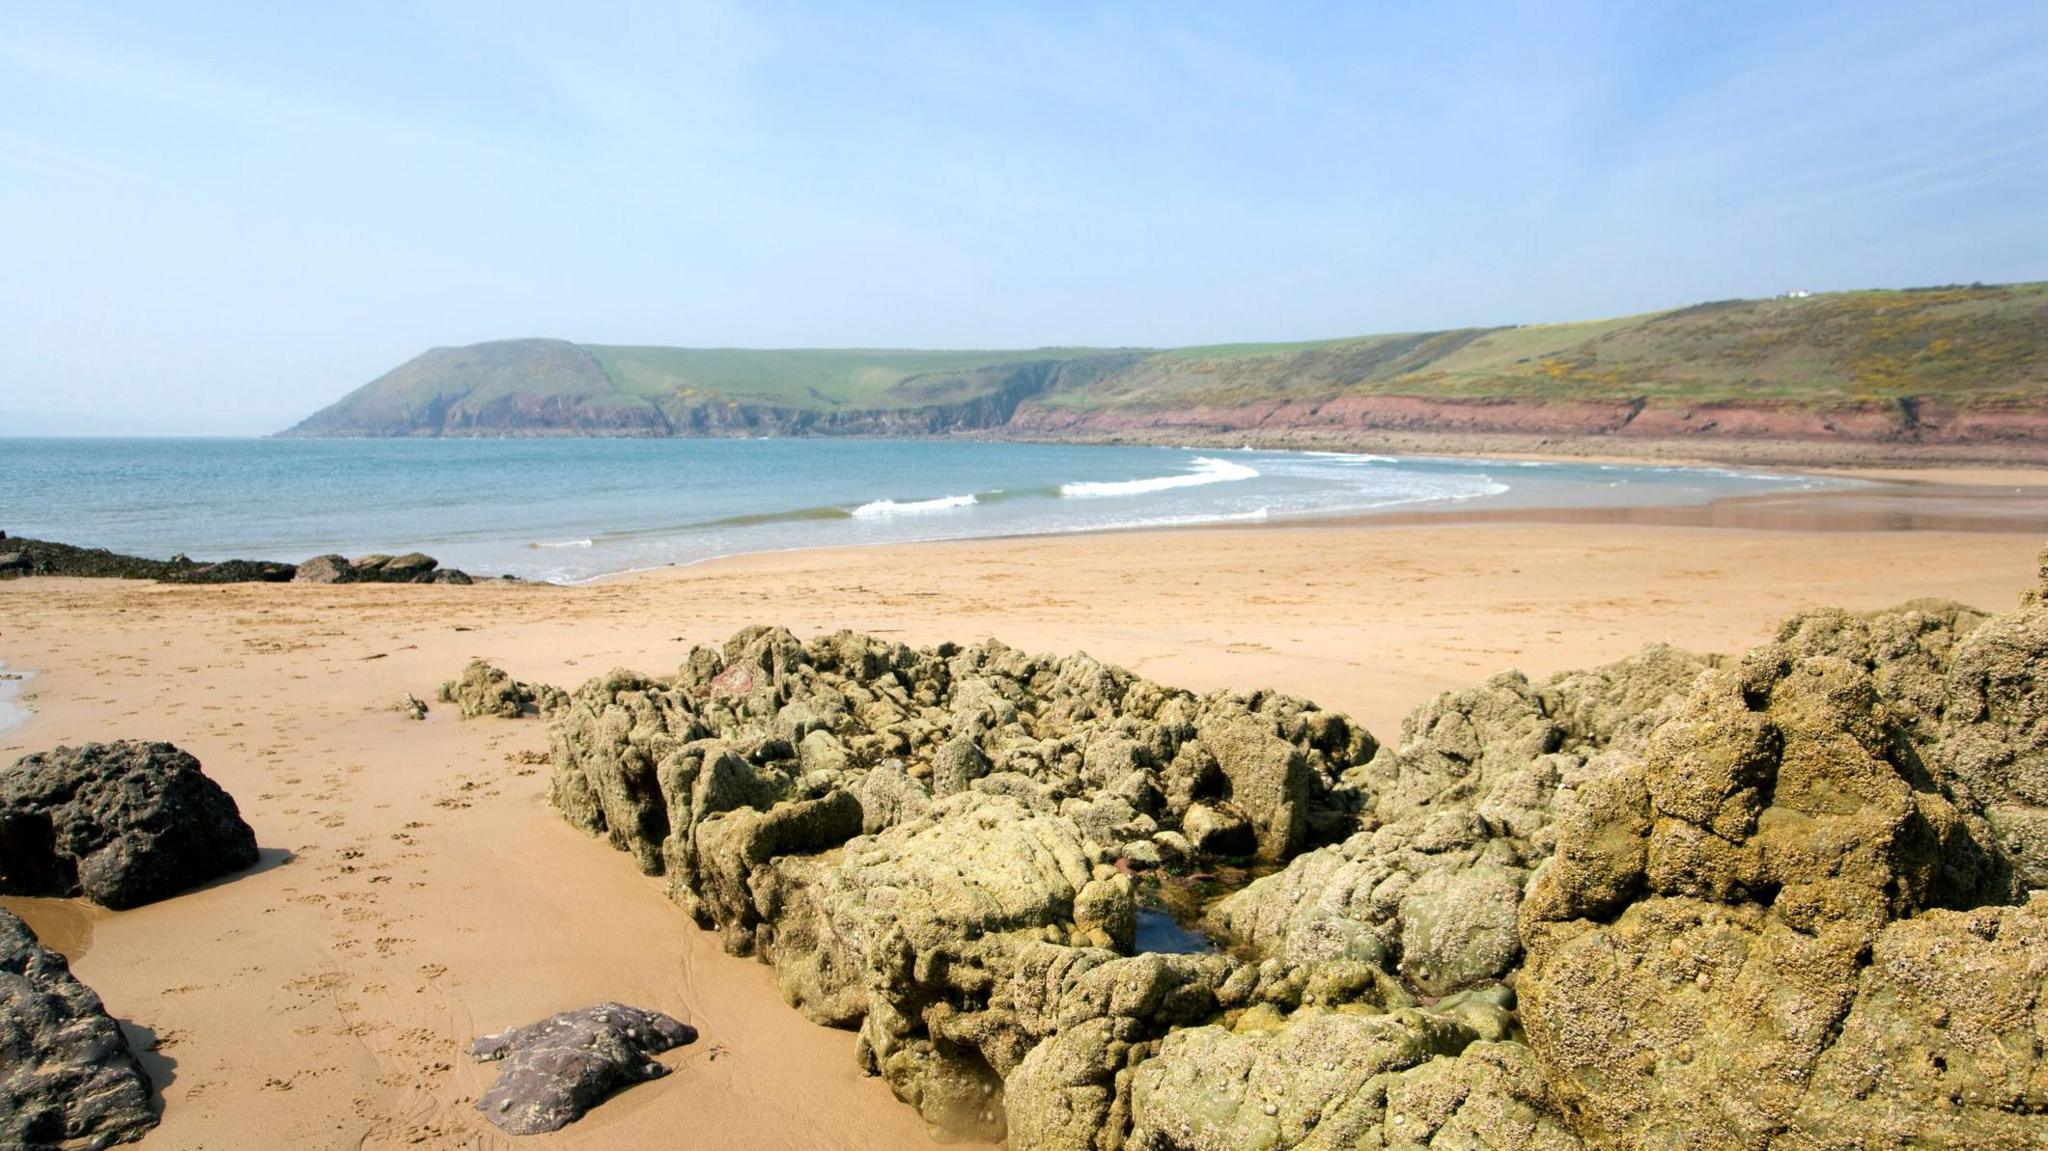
(1907,498)
(1904,500)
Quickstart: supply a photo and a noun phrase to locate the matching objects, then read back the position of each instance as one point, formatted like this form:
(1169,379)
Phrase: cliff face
(1958,370)
(1922,423)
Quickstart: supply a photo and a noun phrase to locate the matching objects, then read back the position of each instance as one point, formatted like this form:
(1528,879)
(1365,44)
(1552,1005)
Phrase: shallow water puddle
(63,925)
(1159,932)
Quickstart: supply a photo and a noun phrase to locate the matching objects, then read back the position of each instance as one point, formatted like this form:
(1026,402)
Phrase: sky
(220,217)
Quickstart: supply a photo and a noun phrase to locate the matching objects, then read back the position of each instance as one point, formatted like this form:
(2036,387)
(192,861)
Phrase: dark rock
(122,824)
(326,569)
(559,1068)
(232,571)
(68,1080)
(13,562)
(408,568)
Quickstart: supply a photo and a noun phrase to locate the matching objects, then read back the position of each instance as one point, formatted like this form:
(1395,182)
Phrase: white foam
(881,509)
(1351,457)
(563,544)
(1206,471)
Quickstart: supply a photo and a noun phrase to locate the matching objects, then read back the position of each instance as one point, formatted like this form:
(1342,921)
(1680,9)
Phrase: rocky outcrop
(1457,818)
(27,557)
(44,558)
(1775,902)
(561,1067)
(485,690)
(68,1080)
(1741,936)
(122,824)
(1405,1078)
(1993,741)
(892,828)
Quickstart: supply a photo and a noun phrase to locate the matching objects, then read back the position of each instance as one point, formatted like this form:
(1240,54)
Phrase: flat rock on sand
(562,1066)
(67,1077)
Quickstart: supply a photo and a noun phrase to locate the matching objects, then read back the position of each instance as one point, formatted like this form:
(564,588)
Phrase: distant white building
(1796,294)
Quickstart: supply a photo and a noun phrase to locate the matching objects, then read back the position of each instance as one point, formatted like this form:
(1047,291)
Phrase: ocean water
(574,509)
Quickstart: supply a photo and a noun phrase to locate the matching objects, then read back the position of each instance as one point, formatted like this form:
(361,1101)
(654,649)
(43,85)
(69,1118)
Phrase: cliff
(1957,370)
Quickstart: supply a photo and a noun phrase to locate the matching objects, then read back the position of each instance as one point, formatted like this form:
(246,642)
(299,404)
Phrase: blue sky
(221,216)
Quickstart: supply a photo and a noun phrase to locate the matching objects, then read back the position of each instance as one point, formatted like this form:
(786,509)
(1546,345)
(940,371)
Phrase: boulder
(1217,831)
(486,690)
(411,567)
(1269,780)
(561,1067)
(68,1080)
(325,569)
(122,824)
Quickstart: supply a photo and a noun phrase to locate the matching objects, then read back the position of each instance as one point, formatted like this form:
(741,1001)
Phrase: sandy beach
(417,891)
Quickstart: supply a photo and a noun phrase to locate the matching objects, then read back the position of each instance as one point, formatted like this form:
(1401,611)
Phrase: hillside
(1959,367)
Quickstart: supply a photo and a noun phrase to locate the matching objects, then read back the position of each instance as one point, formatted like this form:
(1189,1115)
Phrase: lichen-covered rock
(1463,811)
(1694,945)
(1759,904)
(122,824)
(1994,733)
(1943,1044)
(1331,1080)
(486,690)
(561,1067)
(68,1080)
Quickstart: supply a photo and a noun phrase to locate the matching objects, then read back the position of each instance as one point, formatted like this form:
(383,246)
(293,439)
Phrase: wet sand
(416,890)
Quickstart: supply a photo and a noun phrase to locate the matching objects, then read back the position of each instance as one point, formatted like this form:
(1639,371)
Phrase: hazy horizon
(239,215)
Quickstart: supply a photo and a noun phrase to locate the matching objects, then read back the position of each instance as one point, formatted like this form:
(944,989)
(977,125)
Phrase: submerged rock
(122,824)
(68,1079)
(561,1067)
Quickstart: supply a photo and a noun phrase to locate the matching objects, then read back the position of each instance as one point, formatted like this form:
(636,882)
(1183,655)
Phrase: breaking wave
(1206,471)
(883,508)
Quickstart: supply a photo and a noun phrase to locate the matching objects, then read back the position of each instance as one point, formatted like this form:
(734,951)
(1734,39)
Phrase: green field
(1964,346)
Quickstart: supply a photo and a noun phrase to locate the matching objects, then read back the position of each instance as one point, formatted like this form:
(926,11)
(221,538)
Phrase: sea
(569,510)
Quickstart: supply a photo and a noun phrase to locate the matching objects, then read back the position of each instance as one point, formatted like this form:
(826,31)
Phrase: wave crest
(880,509)
(1206,471)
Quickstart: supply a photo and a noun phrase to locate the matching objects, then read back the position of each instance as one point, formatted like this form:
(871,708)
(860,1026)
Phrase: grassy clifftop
(1949,350)
(1966,344)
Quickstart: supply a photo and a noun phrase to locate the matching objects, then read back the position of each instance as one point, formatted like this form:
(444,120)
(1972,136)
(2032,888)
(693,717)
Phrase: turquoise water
(573,509)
